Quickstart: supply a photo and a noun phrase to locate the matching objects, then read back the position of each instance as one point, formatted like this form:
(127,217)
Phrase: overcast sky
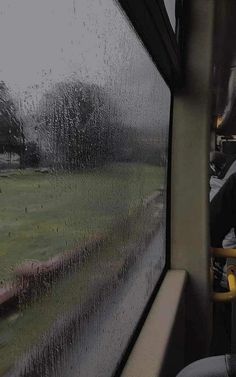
(44,41)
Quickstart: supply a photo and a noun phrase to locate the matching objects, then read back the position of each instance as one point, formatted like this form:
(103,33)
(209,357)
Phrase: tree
(75,123)
(31,156)
(11,130)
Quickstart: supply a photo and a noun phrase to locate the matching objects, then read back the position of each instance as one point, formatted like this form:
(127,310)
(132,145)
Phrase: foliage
(80,126)
(31,155)
(76,123)
(11,131)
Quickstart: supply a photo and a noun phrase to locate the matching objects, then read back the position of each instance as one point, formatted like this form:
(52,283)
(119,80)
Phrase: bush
(31,155)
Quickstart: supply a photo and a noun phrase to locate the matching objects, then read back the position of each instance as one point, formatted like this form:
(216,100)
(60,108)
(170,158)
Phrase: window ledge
(158,347)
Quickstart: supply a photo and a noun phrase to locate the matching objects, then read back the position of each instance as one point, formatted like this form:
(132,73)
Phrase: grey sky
(43,41)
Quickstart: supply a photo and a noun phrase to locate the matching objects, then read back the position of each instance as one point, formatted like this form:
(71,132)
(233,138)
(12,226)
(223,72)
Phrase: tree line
(78,126)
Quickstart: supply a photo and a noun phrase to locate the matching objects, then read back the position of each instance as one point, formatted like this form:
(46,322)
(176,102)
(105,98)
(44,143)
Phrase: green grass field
(46,214)
(43,215)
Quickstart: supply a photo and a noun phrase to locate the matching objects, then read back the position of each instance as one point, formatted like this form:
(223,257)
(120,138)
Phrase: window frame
(151,22)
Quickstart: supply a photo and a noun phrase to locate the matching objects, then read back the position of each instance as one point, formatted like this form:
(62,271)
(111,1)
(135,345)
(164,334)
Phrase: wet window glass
(84,117)
(170,7)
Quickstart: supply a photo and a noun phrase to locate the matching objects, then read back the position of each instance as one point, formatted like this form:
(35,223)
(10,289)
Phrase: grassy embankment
(43,215)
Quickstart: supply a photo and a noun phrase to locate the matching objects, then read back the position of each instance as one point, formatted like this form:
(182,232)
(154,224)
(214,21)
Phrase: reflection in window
(84,119)
(170,7)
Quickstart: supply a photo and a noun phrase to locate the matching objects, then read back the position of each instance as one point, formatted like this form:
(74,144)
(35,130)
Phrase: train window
(84,124)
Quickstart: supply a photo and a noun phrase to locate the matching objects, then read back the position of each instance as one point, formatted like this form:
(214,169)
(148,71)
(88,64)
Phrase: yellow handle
(224,253)
(231,294)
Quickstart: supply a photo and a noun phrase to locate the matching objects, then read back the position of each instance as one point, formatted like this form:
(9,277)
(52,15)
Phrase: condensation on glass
(170,7)
(84,119)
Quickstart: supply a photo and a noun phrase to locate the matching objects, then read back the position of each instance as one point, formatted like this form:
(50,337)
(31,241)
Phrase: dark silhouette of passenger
(222,218)
(223,212)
